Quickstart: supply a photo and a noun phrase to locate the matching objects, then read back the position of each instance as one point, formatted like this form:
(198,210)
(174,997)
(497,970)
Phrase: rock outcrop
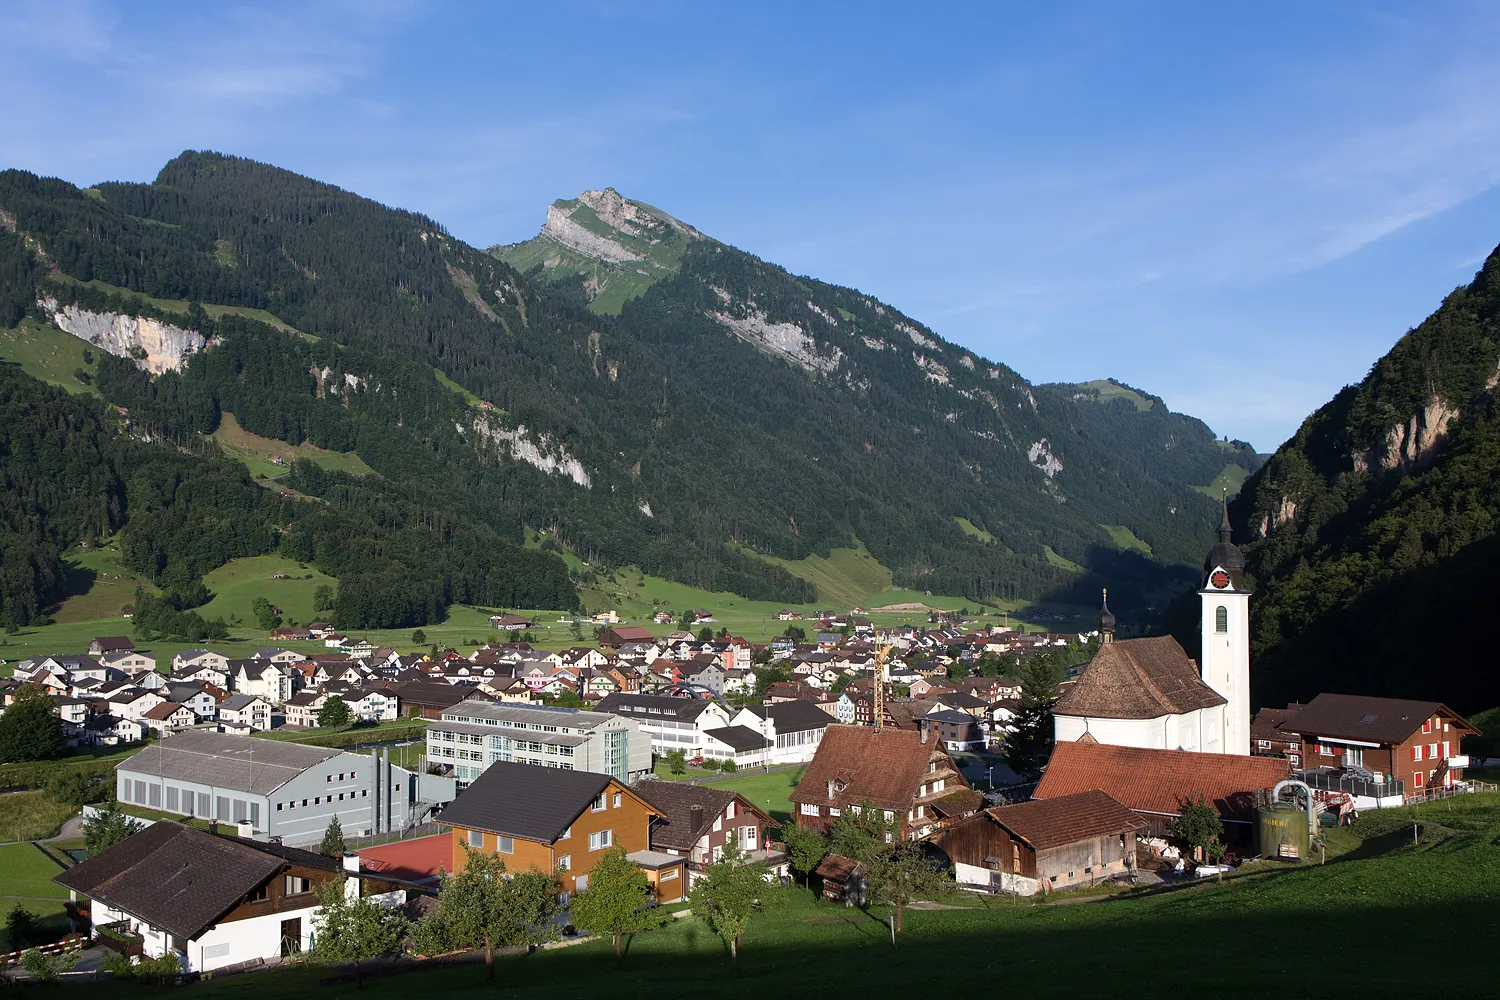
(156,346)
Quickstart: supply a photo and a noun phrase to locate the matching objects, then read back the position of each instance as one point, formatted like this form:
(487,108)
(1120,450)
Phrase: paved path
(71,830)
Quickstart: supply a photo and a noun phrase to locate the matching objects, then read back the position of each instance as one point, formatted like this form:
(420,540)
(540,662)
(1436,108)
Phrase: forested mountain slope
(729,409)
(1373,531)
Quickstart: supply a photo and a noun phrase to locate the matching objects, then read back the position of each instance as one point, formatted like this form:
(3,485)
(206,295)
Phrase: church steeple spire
(1106,621)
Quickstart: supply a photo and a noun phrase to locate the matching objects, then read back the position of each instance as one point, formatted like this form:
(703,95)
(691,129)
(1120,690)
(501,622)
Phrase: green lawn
(1231,478)
(767,789)
(1125,539)
(30,816)
(47,353)
(1246,937)
(256,452)
(968,527)
(237,584)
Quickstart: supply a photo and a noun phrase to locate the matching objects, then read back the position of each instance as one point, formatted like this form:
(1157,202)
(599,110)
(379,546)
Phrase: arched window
(1221,619)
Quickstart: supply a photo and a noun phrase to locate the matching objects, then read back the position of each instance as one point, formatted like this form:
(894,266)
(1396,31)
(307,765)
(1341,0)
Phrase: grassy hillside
(102,585)
(1246,937)
(47,353)
(1125,539)
(237,584)
(256,452)
(1231,479)
(1106,389)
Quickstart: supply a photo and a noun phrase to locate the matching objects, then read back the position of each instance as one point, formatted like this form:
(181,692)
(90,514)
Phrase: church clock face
(1219,580)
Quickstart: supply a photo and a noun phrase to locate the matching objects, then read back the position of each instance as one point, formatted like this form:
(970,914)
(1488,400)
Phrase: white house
(200,658)
(268,680)
(794,728)
(245,711)
(213,901)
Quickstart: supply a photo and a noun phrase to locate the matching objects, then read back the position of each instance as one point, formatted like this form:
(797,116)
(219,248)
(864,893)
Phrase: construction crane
(882,655)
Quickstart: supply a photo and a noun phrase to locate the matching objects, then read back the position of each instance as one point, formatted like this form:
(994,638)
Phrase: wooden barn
(1043,845)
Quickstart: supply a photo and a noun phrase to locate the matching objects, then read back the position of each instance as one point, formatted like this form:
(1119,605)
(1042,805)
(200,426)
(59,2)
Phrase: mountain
(1372,533)
(641,394)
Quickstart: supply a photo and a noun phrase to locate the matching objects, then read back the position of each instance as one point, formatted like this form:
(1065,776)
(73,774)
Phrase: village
(890,765)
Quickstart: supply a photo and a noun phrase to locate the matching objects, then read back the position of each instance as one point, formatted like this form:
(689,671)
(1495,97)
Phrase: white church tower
(1226,636)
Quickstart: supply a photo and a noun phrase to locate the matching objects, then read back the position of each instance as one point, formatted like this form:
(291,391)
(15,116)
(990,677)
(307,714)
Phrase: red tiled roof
(1159,781)
(413,860)
(884,767)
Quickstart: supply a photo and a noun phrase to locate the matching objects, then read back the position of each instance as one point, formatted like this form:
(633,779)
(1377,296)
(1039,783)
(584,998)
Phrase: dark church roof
(1226,553)
(1138,679)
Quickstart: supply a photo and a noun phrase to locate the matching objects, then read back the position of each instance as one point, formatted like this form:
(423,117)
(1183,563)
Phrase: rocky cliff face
(156,346)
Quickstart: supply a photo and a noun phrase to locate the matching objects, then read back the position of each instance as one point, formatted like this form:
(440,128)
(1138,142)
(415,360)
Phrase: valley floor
(1382,918)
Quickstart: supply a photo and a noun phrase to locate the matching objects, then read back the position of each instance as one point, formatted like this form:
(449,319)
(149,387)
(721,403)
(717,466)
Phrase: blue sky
(1237,207)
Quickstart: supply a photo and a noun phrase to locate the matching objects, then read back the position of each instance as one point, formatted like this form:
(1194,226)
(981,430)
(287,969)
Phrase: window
(203,804)
(476,838)
(329,779)
(296,885)
(1416,752)
(599,803)
(565,862)
(1417,779)
(172,799)
(1432,751)
(261,894)
(278,807)
(667,875)
(1447,744)
(618,799)
(1221,619)
(221,807)
(1263,744)
(1427,726)
(504,845)
(601,840)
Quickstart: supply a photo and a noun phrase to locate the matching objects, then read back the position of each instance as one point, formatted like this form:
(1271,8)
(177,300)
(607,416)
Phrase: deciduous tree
(617,901)
(728,893)
(353,931)
(108,827)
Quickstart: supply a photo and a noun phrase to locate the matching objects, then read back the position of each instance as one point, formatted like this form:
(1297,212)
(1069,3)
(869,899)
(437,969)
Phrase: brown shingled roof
(675,801)
(1160,781)
(884,767)
(1374,720)
(1045,823)
(1138,679)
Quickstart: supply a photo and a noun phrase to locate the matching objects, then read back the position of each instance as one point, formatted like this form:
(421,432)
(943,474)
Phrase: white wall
(246,940)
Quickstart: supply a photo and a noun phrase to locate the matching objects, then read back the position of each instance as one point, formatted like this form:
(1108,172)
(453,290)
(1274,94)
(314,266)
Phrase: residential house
(212,901)
(128,661)
(957,731)
(555,820)
(169,717)
(1042,845)
(302,708)
(109,644)
(511,622)
(795,729)
(104,729)
(133,702)
(1378,748)
(265,678)
(74,712)
(1267,738)
(670,723)
(248,712)
(206,673)
(902,773)
(1156,784)
(705,675)
(200,658)
(275,655)
(700,822)
(374,704)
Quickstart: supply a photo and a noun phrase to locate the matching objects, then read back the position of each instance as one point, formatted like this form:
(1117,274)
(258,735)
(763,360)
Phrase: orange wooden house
(558,820)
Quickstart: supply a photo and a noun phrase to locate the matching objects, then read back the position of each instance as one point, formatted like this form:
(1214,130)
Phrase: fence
(73,942)
(1449,791)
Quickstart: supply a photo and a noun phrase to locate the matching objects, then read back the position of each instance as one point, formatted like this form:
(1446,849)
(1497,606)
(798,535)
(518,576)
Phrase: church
(1149,693)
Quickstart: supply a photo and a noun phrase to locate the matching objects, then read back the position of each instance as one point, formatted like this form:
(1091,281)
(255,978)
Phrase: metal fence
(1334,781)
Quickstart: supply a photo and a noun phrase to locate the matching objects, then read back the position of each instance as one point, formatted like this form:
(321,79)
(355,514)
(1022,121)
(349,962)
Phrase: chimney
(925,728)
(695,818)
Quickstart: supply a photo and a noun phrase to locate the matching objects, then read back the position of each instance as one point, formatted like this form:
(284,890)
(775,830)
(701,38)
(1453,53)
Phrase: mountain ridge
(728,408)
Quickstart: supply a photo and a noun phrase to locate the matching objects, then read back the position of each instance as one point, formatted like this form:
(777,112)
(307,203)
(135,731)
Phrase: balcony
(1353,781)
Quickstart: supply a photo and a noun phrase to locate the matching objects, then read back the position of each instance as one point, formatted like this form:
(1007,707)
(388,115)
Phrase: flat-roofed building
(472,735)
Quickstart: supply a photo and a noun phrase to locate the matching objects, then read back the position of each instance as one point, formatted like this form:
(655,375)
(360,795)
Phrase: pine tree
(333,840)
